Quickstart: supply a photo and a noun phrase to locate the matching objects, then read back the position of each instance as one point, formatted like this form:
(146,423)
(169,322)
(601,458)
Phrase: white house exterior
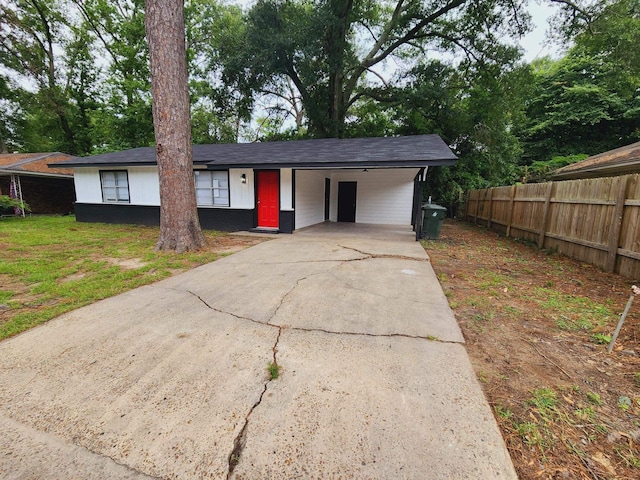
(275,186)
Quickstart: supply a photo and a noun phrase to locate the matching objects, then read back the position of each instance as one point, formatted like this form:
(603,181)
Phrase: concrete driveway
(170,380)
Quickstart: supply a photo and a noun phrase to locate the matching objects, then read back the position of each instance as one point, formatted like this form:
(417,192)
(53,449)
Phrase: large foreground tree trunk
(179,224)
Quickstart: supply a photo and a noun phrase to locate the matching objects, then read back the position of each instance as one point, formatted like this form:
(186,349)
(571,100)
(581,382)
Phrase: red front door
(268,198)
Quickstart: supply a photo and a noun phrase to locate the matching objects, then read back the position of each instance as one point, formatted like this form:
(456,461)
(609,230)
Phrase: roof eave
(327,165)
(35,174)
(604,171)
(103,165)
(299,165)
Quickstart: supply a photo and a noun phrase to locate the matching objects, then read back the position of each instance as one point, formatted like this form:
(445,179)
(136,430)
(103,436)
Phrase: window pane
(203,197)
(108,179)
(110,194)
(123,194)
(203,179)
(221,192)
(115,186)
(222,178)
(121,179)
(212,188)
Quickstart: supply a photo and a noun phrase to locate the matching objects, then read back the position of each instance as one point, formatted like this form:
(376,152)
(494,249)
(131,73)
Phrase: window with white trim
(115,186)
(212,188)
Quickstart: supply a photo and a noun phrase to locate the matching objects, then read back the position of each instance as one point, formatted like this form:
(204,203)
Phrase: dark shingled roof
(409,151)
(619,161)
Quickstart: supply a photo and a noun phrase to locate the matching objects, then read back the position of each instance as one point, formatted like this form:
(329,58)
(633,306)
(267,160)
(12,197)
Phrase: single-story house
(620,161)
(274,186)
(29,177)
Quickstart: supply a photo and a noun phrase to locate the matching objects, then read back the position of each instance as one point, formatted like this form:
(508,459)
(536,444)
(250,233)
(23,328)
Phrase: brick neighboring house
(44,189)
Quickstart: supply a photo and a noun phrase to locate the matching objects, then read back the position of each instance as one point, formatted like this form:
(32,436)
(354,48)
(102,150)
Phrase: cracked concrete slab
(363,407)
(376,296)
(170,380)
(294,250)
(152,379)
(262,285)
(28,453)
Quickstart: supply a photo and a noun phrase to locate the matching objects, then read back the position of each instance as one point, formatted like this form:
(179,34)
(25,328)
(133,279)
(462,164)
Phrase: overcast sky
(534,43)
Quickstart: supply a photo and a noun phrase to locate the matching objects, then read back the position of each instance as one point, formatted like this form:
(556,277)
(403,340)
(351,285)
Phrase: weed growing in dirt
(585,413)
(628,456)
(544,400)
(503,412)
(573,313)
(594,398)
(531,435)
(601,339)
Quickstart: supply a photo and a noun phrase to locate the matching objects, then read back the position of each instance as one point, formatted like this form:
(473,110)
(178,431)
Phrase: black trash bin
(432,218)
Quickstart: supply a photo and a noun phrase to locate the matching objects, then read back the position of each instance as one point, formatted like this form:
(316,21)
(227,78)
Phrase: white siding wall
(286,190)
(87,183)
(383,196)
(241,195)
(144,186)
(310,197)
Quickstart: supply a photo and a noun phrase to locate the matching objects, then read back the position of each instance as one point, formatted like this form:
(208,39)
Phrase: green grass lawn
(50,265)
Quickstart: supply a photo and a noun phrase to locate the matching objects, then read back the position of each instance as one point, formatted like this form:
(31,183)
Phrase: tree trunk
(179,224)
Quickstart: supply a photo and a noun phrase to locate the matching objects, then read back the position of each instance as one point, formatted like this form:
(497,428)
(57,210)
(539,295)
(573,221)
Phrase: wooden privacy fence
(593,220)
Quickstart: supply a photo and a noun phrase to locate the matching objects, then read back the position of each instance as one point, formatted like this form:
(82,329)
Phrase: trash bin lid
(433,206)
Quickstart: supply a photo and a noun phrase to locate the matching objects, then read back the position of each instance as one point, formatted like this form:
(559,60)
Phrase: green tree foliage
(32,36)
(328,49)
(124,118)
(217,110)
(472,109)
(10,113)
(588,101)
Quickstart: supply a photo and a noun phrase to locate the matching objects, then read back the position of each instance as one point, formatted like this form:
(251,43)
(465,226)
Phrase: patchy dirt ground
(537,326)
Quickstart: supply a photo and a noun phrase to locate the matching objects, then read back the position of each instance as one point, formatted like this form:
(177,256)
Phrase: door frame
(255,196)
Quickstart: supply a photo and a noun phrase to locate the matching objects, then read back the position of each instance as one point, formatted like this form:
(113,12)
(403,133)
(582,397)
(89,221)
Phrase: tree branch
(97,29)
(377,53)
(48,48)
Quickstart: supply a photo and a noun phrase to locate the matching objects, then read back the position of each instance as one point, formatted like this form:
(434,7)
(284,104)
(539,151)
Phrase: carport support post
(418,191)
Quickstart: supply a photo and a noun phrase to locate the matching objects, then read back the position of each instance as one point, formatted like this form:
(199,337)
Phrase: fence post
(512,196)
(545,215)
(616,224)
(490,211)
(475,219)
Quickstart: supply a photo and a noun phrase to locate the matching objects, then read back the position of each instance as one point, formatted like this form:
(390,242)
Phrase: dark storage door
(327,197)
(347,201)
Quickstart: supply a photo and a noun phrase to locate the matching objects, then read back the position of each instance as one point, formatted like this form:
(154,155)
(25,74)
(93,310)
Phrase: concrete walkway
(170,380)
